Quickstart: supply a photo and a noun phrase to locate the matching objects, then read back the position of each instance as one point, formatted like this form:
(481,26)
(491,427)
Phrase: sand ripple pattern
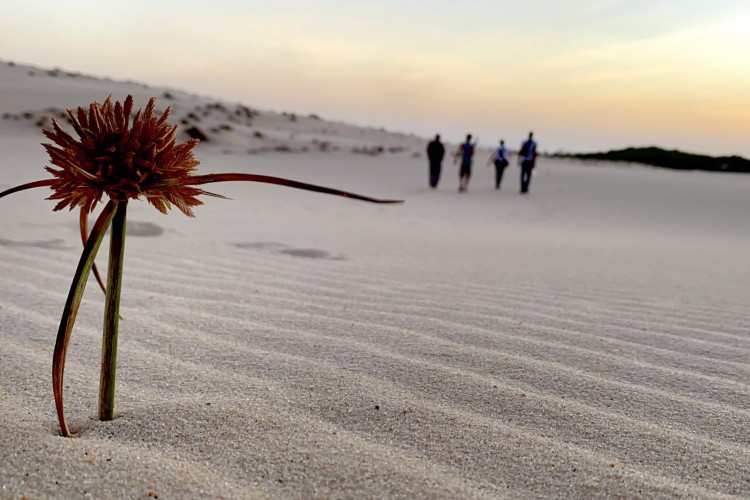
(314,377)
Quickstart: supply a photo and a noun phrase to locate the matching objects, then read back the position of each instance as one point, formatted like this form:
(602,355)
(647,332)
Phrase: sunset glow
(586,76)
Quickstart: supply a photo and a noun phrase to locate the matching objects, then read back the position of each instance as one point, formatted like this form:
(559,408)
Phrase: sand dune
(589,340)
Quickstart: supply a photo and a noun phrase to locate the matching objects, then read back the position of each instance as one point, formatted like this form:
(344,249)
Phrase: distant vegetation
(668,159)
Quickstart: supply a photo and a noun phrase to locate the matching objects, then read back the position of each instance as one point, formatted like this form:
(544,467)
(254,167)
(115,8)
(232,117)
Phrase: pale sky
(585,75)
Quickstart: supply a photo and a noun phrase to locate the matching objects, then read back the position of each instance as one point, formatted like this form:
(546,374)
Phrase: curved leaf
(28,185)
(71,308)
(209,178)
(84,223)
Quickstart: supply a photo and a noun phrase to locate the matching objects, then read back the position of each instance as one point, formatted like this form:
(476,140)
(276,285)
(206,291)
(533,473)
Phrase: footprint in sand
(55,244)
(283,248)
(144,229)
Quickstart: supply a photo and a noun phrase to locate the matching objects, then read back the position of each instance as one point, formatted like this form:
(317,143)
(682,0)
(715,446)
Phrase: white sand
(588,340)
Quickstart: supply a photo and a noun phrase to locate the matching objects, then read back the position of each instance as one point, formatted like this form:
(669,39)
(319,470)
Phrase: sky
(584,75)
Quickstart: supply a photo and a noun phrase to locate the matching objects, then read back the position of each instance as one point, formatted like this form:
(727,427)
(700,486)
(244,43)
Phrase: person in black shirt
(435,153)
(527,161)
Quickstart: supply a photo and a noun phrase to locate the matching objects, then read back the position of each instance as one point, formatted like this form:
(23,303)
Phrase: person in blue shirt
(465,152)
(527,160)
(500,158)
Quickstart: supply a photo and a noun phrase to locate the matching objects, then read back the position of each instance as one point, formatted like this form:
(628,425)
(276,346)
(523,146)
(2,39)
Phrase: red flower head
(122,161)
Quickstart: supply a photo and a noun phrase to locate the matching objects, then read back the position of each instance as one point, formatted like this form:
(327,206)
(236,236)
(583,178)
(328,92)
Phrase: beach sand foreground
(588,340)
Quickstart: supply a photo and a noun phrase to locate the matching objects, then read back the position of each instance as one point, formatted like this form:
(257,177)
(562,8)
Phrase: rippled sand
(590,339)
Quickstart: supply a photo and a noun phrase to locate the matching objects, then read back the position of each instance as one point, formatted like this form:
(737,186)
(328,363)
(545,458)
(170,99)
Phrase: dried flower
(122,162)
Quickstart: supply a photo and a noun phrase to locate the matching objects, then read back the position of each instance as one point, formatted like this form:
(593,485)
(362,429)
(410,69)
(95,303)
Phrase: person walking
(435,153)
(527,160)
(500,158)
(465,152)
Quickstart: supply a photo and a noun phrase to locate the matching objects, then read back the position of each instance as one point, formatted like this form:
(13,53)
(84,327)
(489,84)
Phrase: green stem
(71,310)
(111,314)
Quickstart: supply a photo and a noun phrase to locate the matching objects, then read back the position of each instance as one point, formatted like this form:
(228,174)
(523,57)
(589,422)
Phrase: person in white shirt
(500,158)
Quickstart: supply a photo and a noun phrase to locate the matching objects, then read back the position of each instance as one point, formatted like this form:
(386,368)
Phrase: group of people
(499,157)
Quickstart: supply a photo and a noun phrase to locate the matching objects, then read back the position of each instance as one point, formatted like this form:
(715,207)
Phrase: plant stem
(111,314)
(71,309)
